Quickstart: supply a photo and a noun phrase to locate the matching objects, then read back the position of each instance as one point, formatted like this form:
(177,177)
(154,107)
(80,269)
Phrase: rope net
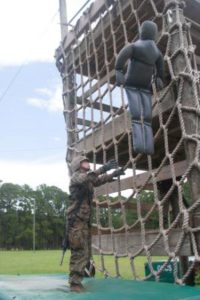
(155,208)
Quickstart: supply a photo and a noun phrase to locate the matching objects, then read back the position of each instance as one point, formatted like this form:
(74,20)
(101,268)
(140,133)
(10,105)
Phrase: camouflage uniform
(79,216)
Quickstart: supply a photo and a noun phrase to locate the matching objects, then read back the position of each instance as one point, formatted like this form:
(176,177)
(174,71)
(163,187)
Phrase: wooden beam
(140,179)
(82,24)
(135,243)
(120,126)
(87,94)
(63,18)
(98,84)
(95,9)
(145,207)
(86,122)
(80,121)
(97,105)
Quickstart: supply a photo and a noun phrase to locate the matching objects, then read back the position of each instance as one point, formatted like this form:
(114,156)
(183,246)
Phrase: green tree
(16,216)
(10,195)
(51,203)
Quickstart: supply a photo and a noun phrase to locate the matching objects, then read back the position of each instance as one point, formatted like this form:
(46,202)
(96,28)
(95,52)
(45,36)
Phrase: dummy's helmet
(149,31)
(76,162)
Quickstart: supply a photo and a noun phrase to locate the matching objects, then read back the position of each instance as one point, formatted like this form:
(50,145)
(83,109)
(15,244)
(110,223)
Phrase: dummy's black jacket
(145,59)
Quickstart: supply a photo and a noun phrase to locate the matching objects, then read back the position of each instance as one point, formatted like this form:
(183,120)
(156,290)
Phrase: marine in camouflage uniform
(81,188)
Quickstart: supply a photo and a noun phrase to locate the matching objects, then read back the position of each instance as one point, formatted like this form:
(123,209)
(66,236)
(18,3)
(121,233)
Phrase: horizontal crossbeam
(135,242)
(140,179)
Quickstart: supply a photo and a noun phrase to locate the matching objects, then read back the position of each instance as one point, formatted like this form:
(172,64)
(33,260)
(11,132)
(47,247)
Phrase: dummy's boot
(142,137)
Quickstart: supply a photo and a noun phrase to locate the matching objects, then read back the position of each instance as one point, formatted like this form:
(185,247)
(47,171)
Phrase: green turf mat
(55,287)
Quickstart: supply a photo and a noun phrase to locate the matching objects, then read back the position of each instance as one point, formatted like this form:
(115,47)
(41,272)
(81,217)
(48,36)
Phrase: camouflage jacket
(81,192)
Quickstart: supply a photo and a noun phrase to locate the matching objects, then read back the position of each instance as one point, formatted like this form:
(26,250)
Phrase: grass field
(47,262)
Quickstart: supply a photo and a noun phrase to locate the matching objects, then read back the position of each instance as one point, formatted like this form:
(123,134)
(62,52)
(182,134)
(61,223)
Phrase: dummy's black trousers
(141,115)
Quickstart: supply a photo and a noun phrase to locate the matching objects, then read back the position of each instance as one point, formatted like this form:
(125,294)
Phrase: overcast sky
(32,129)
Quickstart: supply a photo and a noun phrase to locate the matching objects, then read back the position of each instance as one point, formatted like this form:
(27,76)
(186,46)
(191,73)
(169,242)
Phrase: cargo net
(155,208)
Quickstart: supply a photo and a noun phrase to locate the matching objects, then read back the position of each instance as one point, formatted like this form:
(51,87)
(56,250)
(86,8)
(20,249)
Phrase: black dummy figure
(145,62)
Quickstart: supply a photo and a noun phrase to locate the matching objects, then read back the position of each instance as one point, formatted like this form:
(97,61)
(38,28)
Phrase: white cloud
(30,29)
(27,33)
(57,139)
(52,103)
(35,173)
(44,91)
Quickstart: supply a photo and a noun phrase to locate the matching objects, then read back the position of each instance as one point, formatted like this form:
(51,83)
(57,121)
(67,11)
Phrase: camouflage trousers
(80,246)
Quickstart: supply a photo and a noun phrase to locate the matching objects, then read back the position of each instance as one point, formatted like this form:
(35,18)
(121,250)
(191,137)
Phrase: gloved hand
(120,79)
(118,172)
(111,164)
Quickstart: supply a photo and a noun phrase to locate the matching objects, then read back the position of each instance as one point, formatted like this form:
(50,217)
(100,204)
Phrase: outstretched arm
(111,164)
(93,177)
(96,177)
(108,177)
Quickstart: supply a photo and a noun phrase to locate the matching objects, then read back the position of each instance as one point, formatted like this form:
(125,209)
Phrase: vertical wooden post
(34,224)
(68,84)
(63,18)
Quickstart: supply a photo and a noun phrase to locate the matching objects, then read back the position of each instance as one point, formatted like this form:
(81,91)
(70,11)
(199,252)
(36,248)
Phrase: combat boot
(78,288)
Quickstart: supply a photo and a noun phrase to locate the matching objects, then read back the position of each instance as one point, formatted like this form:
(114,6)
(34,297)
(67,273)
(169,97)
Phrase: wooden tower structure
(98,125)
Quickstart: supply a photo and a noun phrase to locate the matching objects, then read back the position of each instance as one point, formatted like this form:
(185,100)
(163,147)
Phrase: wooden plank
(99,140)
(80,121)
(135,243)
(140,179)
(82,24)
(96,86)
(125,184)
(86,122)
(120,126)
(97,105)
(145,207)
(87,94)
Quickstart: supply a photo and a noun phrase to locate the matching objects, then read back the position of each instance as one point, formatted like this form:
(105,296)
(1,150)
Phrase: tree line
(17,207)
(21,207)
